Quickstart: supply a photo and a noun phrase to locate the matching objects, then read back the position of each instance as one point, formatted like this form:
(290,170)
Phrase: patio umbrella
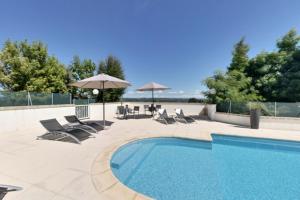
(101,81)
(152,87)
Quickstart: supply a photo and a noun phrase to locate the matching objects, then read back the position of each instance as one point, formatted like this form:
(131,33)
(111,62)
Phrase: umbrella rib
(84,84)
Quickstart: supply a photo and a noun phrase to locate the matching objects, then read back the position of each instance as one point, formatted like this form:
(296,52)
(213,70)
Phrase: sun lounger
(4,189)
(136,109)
(89,126)
(58,132)
(180,116)
(164,117)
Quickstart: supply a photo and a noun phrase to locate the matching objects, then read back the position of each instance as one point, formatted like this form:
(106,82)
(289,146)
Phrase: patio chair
(4,189)
(59,133)
(164,117)
(136,109)
(180,116)
(89,126)
(121,112)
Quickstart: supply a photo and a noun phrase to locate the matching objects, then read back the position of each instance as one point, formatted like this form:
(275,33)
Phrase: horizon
(174,43)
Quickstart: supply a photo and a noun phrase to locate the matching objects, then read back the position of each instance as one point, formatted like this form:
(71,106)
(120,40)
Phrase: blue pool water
(229,168)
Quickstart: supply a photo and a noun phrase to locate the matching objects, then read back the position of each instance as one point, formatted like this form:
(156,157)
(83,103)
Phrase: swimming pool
(229,167)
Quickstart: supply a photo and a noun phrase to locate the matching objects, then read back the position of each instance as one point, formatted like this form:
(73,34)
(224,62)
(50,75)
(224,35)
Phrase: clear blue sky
(174,42)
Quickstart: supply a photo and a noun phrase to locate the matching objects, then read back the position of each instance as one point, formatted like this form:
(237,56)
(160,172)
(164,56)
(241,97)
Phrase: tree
(28,67)
(239,56)
(231,86)
(269,76)
(264,70)
(80,70)
(290,79)
(113,67)
(288,42)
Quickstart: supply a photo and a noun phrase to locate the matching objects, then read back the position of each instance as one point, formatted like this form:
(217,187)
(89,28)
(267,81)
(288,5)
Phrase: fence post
(52,98)
(27,98)
(29,102)
(275,109)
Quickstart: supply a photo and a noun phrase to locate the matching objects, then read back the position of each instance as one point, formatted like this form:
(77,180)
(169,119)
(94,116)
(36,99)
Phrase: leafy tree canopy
(79,70)
(269,76)
(234,86)
(27,66)
(239,56)
(289,42)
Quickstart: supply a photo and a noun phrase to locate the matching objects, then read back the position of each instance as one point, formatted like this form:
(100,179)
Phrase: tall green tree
(264,70)
(273,76)
(240,58)
(271,71)
(113,67)
(290,79)
(27,66)
(289,42)
(79,70)
(231,86)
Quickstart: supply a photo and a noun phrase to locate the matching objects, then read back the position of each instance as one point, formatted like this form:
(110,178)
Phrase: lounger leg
(2,195)
(61,134)
(166,121)
(71,136)
(90,127)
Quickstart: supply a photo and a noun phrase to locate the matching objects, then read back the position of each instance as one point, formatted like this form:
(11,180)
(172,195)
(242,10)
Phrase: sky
(177,43)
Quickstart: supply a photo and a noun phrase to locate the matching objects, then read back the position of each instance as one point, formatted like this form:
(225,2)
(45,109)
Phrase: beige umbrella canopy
(101,81)
(152,87)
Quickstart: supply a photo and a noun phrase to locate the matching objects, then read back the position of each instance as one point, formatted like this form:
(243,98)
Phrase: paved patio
(51,170)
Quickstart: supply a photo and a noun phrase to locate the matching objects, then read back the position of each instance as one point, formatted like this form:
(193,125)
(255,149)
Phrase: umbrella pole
(103,102)
(152,109)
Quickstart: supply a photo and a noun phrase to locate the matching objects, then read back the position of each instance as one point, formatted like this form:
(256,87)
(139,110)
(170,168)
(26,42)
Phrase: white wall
(96,111)
(280,123)
(27,118)
(232,119)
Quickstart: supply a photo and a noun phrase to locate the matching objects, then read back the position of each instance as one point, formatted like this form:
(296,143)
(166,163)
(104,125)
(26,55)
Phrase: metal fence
(82,111)
(83,101)
(275,109)
(33,98)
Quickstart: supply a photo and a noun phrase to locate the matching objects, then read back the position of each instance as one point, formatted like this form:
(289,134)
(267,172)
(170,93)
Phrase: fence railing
(33,98)
(82,111)
(275,109)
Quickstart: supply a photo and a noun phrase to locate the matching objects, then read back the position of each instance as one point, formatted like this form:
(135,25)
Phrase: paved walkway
(49,170)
